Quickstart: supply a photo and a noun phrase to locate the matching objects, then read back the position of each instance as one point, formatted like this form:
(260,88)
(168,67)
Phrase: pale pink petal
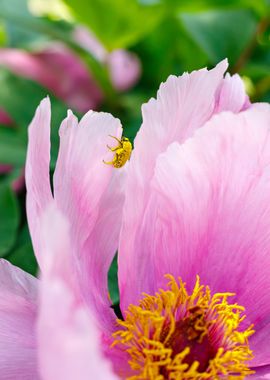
(18,313)
(209,214)
(69,342)
(183,105)
(68,339)
(37,171)
(232,95)
(55,243)
(90,194)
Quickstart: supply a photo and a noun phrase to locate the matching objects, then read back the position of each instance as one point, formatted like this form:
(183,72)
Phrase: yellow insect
(122,152)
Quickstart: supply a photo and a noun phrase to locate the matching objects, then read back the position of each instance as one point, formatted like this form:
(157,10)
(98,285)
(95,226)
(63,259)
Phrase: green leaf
(3,35)
(257,70)
(221,34)
(15,6)
(12,147)
(23,255)
(172,50)
(113,282)
(9,218)
(17,36)
(261,7)
(24,258)
(117,23)
(20,97)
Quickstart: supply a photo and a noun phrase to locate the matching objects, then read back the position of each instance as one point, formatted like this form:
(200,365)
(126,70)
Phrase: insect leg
(113,137)
(113,149)
(108,162)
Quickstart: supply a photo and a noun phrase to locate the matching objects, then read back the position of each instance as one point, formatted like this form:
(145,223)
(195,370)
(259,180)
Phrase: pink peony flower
(192,205)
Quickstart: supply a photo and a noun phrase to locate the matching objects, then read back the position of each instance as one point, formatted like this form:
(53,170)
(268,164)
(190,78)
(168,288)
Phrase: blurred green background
(108,55)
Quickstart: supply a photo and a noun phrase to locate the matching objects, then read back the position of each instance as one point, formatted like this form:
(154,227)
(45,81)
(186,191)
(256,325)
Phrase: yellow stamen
(174,335)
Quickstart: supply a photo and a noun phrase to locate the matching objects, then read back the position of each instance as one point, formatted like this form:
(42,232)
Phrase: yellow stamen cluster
(179,336)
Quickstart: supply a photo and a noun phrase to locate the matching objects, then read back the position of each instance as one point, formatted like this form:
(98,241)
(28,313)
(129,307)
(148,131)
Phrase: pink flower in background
(4,118)
(61,71)
(124,66)
(192,204)
(125,69)
(57,69)
(4,168)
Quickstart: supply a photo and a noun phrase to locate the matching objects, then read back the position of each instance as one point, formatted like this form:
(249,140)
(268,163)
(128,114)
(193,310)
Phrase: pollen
(175,335)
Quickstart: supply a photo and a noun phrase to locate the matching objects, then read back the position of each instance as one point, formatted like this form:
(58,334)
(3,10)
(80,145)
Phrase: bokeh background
(108,55)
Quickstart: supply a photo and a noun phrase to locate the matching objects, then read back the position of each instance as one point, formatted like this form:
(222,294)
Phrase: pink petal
(261,373)
(88,192)
(183,105)
(37,178)
(232,95)
(209,214)
(18,310)
(69,342)
(55,246)
(68,339)
(91,195)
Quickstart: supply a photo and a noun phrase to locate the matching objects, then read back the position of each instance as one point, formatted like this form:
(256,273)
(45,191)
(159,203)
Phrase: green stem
(247,53)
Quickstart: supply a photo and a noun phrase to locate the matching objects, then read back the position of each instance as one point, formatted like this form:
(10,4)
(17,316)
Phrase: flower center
(176,336)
